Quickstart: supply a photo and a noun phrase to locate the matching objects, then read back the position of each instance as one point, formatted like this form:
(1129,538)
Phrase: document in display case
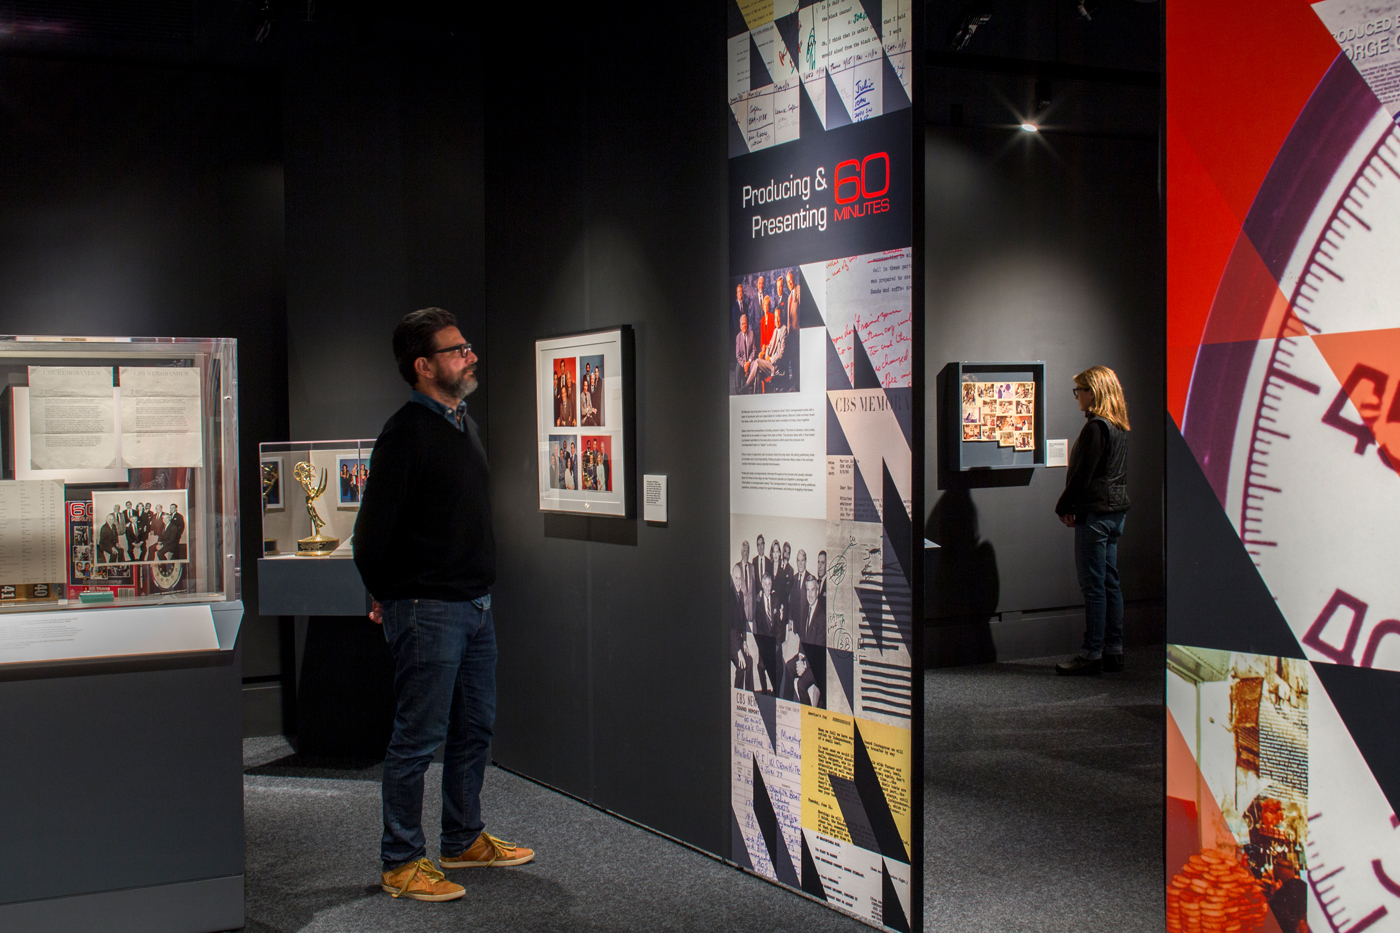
(118,490)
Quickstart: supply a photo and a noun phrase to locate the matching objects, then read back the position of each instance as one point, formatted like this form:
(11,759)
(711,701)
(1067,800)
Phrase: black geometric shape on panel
(902,404)
(811,882)
(877,808)
(899,530)
(808,315)
(788,27)
(836,378)
(853,813)
(768,824)
(738,850)
(768,712)
(758,70)
(738,145)
(865,377)
(1215,596)
(891,910)
(836,114)
(872,608)
(898,596)
(895,97)
(844,664)
(864,510)
(811,122)
(836,443)
(1368,700)
(737,24)
(873,13)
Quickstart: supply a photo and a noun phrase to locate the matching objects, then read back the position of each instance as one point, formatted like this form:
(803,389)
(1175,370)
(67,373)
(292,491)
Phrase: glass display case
(120,473)
(311,496)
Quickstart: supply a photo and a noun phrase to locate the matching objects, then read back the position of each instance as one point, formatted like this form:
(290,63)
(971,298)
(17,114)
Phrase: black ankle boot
(1113,663)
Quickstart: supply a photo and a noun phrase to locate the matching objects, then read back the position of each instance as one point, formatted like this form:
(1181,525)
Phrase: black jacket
(424,528)
(1098,471)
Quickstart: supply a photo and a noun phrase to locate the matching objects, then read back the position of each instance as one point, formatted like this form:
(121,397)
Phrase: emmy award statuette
(318,545)
(269,480)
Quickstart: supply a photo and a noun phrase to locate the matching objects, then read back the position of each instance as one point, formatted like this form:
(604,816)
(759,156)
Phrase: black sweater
(424,528)
(1098,471)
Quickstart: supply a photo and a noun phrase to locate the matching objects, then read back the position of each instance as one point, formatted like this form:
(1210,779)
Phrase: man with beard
(425,549)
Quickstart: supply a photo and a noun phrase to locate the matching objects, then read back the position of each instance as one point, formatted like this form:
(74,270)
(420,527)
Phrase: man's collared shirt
(457,417)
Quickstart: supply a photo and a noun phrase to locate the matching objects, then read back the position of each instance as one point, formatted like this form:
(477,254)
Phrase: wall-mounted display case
(302,479)
(995,414)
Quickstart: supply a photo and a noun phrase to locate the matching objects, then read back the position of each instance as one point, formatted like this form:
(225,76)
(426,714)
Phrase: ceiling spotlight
(1030,127)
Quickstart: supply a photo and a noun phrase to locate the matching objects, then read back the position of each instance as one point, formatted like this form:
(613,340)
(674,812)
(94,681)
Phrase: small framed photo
(349,483)
(583,384)
(273,500)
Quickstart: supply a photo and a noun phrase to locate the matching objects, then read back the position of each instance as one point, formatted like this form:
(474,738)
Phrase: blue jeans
(445,688)
(1096,560)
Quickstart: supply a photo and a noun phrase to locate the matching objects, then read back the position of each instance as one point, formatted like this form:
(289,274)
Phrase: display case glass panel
(334,473)
(120,472)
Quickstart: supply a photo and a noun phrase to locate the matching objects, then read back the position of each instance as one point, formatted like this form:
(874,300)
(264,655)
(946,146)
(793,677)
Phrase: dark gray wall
(1042,247)
(606,206)
(384,213)
(146,199)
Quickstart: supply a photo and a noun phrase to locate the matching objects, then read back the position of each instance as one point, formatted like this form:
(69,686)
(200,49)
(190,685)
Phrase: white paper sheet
(72,418)
(23,469)
(31,532)
(98,633)
(161,417)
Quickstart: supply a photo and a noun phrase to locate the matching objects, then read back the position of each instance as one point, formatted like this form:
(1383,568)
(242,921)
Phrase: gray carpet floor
(1043,813)
(1043,798)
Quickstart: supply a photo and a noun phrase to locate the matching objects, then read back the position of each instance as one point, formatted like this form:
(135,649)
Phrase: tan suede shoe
(488,851)
(422,882)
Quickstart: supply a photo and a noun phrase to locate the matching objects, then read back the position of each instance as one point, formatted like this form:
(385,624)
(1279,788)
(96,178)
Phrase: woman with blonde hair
(1094,504)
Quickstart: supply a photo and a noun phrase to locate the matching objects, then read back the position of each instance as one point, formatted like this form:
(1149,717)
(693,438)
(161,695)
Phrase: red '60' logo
(856,181)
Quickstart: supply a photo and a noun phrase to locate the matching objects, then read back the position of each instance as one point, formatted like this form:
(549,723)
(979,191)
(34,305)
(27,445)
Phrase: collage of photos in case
(777,595)
(1003,412)
(580,461)
(764,329)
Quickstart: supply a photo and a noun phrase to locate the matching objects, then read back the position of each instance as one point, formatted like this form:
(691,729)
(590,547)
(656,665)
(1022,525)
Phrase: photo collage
(580,461)
(1000,412)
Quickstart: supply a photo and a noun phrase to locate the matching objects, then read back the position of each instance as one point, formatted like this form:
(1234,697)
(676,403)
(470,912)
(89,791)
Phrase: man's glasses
(462,349)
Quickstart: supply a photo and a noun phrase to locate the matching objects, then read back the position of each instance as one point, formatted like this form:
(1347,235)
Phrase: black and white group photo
(141,526)
(777,597)
(764,328)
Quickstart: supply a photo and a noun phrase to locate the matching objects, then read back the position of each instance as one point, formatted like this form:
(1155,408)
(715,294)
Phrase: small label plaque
(654,497)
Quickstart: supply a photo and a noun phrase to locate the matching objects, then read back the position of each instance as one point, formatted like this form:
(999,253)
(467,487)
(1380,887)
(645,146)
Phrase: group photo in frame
(584,422)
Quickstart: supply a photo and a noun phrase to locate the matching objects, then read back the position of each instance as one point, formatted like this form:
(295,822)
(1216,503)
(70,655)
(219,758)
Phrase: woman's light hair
(1108,402)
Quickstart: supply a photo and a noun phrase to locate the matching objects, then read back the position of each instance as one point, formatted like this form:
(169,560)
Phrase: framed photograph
(584,422)
(140,526)
(273,500)
(349,483)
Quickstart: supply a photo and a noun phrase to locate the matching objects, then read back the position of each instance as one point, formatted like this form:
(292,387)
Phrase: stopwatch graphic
(1294,408)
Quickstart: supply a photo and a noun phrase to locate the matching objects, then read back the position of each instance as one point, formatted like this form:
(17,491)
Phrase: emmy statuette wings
(318,545)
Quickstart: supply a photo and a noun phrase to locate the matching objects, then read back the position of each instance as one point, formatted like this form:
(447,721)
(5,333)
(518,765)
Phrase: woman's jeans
(1096,560)
(445,688)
